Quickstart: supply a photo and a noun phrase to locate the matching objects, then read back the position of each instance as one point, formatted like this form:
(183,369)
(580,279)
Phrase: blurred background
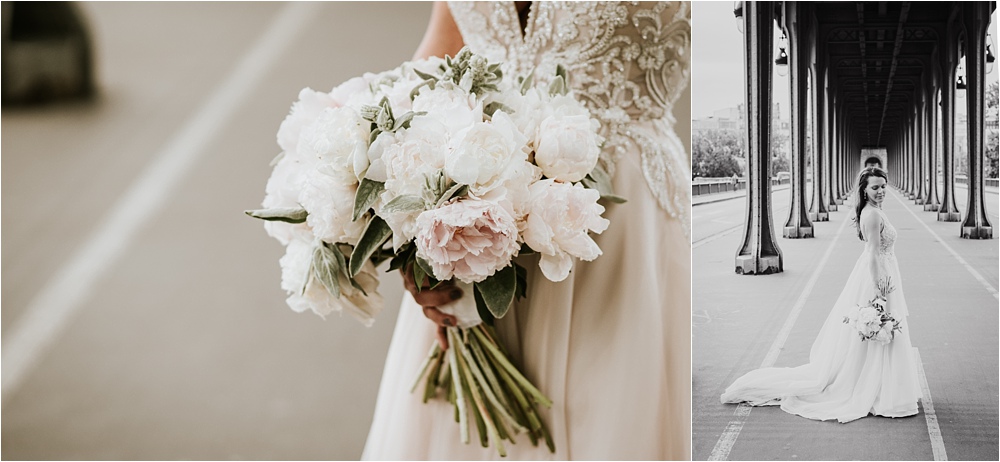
(143,316)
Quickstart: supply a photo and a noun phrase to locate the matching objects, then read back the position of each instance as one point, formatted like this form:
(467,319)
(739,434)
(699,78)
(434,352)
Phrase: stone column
(795,25)
(759,253)
(976,15)
(948,211)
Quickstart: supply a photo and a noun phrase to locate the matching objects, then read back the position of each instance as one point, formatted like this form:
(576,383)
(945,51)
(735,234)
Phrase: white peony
(467,239)
(355,92)
(567,146)
(330,204)
(449,105)
(884,335)
(485,155)
(557,225)
(304,112)
(338,139)
(282,191)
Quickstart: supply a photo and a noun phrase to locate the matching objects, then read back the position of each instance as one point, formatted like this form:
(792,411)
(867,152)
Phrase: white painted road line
(53,307)
(732,431)
(933,430)
(975,274)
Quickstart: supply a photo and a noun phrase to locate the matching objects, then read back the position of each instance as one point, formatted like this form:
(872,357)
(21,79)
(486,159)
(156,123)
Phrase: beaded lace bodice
(627,61)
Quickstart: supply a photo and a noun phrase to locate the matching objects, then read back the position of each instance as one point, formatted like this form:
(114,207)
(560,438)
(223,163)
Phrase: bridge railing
(989,182)
(701,186)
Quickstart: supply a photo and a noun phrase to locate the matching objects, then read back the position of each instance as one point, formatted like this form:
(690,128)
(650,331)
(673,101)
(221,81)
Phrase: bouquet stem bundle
(477,377)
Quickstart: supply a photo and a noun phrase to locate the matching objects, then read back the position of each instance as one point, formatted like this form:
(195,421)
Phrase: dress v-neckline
(525,31)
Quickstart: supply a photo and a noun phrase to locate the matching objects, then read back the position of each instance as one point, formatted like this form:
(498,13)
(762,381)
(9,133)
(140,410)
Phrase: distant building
(731,119)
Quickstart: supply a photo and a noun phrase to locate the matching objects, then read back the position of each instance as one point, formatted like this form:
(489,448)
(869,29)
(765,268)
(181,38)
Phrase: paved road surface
(953,317)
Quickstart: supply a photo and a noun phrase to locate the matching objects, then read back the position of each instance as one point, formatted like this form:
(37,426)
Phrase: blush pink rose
(469,239)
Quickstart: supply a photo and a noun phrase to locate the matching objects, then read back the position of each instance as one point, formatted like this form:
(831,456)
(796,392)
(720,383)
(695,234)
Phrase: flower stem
(463,421)
(502,360)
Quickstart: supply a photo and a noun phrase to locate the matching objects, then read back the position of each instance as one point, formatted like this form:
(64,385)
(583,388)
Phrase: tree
(717,154)
(779,153)
(991,167)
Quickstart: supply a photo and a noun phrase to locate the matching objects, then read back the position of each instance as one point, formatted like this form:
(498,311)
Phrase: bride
(846,378)
(610,345)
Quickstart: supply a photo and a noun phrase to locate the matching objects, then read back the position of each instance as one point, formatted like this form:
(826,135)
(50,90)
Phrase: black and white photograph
(844,162)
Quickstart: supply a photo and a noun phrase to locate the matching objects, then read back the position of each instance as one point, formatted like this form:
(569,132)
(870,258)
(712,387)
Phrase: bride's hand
(430,299)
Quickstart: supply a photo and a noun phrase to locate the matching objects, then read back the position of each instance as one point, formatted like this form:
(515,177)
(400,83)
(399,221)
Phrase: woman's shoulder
(870,216)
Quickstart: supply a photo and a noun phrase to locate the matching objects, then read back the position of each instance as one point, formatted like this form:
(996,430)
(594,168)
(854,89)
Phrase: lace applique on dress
(887,235)
(627,61)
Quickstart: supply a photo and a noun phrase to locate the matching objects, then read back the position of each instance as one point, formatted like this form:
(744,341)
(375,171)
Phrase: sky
(717,70)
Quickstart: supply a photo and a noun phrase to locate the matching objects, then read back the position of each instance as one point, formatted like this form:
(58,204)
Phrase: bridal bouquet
(449,169)
(871,321)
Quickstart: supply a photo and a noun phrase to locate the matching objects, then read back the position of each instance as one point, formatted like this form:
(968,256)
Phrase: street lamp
(738,12)
(990,59)
(782,60)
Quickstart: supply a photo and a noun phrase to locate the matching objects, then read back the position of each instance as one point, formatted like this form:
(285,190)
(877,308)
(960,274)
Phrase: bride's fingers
(437,297)
(439,318)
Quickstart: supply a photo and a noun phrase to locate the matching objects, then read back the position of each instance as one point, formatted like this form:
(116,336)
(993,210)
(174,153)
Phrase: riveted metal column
(817,208)
(759,252)
(796,25)
(828,151)
(931,203)
(948,211)
(914,173)
(920,147)
(976,15)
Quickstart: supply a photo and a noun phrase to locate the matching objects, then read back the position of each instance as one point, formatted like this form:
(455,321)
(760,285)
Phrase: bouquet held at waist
(871,321)
(450,169)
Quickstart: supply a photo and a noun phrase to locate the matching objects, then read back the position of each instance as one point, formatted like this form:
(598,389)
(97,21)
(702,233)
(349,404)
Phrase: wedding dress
(846,379)
(610,345)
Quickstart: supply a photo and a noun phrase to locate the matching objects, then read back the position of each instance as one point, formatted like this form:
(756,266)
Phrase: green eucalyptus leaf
(416,90)
(561,72)
(369,112)
(423,265)
(404,203)
(376,233)
(285,214)
(425,76)
(277,158)
(368,192)
(527,82)
(614,198)
(404,120)
(484,312)
(456,190)
(497,106)
(521,274)
(498,290)
(326,268)
(402,257)
(418,277)
(557,86)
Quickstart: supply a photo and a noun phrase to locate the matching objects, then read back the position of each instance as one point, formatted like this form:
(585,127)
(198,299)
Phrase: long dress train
(846,379)
(610,345)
